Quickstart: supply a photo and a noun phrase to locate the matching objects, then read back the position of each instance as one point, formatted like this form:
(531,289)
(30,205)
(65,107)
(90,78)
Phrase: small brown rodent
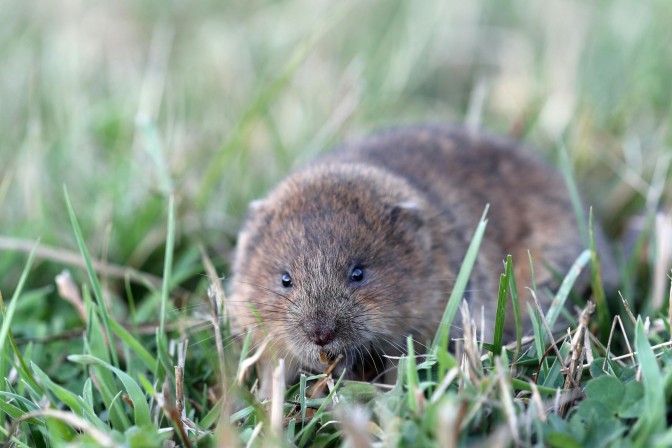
(361,248)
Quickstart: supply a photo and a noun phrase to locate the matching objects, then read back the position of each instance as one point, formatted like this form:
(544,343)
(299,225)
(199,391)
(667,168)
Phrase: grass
(163,120)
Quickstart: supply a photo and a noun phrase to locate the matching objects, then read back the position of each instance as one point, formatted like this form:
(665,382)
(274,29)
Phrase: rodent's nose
(320,332)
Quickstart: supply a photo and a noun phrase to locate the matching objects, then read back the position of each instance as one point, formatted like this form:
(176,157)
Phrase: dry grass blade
(669,302)
(278,398)
(471,350)
(319,386)
(500,438)
(255,433)
(102,439)
(179,377)
(554,346)
(588,352)
(617,319)
(627,309)
(447,381)
(577,353)
(225,431)
(663,261)
(506,394)
(251,360)
(577,348)
(451,414)
(69,292)
(215,280)
(217,297)
(355,424)
(165,402)
(212,295)
(663,345)
(538,402)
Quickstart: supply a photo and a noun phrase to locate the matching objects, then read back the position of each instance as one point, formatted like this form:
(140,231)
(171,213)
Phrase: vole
(360,248)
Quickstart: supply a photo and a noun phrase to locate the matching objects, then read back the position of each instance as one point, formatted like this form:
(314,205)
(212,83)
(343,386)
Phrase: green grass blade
(132,343)
(412,380)
(652,419)
(249,410)
(162,338)
(574,196)
(565,287)
(163,361)
(140,406)
(500,315)
(16,412)
(515,301)
(538,333)
(7,317)
(87,393)
(244,351)
(94,344)
(105,386)
(23,370)
(302,398)
(306,431)
(13,439)
(525,385)
(596,281)
(554,377)
(456,295)
(93,278)
(154,148)
(76,404)
(168,263)
(212,416)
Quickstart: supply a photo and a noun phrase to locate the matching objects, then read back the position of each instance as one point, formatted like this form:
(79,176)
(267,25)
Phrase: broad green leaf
(140,407)
(607,390)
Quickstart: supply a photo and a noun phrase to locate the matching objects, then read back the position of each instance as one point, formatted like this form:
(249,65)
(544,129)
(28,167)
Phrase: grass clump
(163,121)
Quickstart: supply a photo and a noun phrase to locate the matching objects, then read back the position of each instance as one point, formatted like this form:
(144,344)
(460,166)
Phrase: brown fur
(403,204)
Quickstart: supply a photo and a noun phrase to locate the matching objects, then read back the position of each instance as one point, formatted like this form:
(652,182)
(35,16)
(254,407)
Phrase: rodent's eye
(286,280)
(357,274)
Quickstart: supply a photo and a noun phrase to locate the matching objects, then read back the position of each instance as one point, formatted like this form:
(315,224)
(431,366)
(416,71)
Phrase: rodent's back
(460,171)
(457,168)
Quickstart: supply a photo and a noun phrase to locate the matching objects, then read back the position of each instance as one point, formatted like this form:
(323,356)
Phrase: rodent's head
(332,262)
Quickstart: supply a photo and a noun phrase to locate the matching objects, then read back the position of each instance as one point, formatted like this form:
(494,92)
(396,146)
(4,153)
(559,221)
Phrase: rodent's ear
(257,204)
(409,213)
(255,207)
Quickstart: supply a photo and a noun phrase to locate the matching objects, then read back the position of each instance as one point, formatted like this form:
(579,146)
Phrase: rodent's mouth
(359,363)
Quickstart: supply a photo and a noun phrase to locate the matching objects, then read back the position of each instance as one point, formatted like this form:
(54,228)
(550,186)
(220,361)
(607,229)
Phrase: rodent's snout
(320,331)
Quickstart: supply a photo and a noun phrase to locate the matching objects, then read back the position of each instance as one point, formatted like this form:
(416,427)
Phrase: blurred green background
(126,102)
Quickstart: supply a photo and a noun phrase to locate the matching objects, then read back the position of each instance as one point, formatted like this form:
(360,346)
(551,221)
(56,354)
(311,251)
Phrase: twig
(617,318)
(630,355)
(75,259)
(627,309)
